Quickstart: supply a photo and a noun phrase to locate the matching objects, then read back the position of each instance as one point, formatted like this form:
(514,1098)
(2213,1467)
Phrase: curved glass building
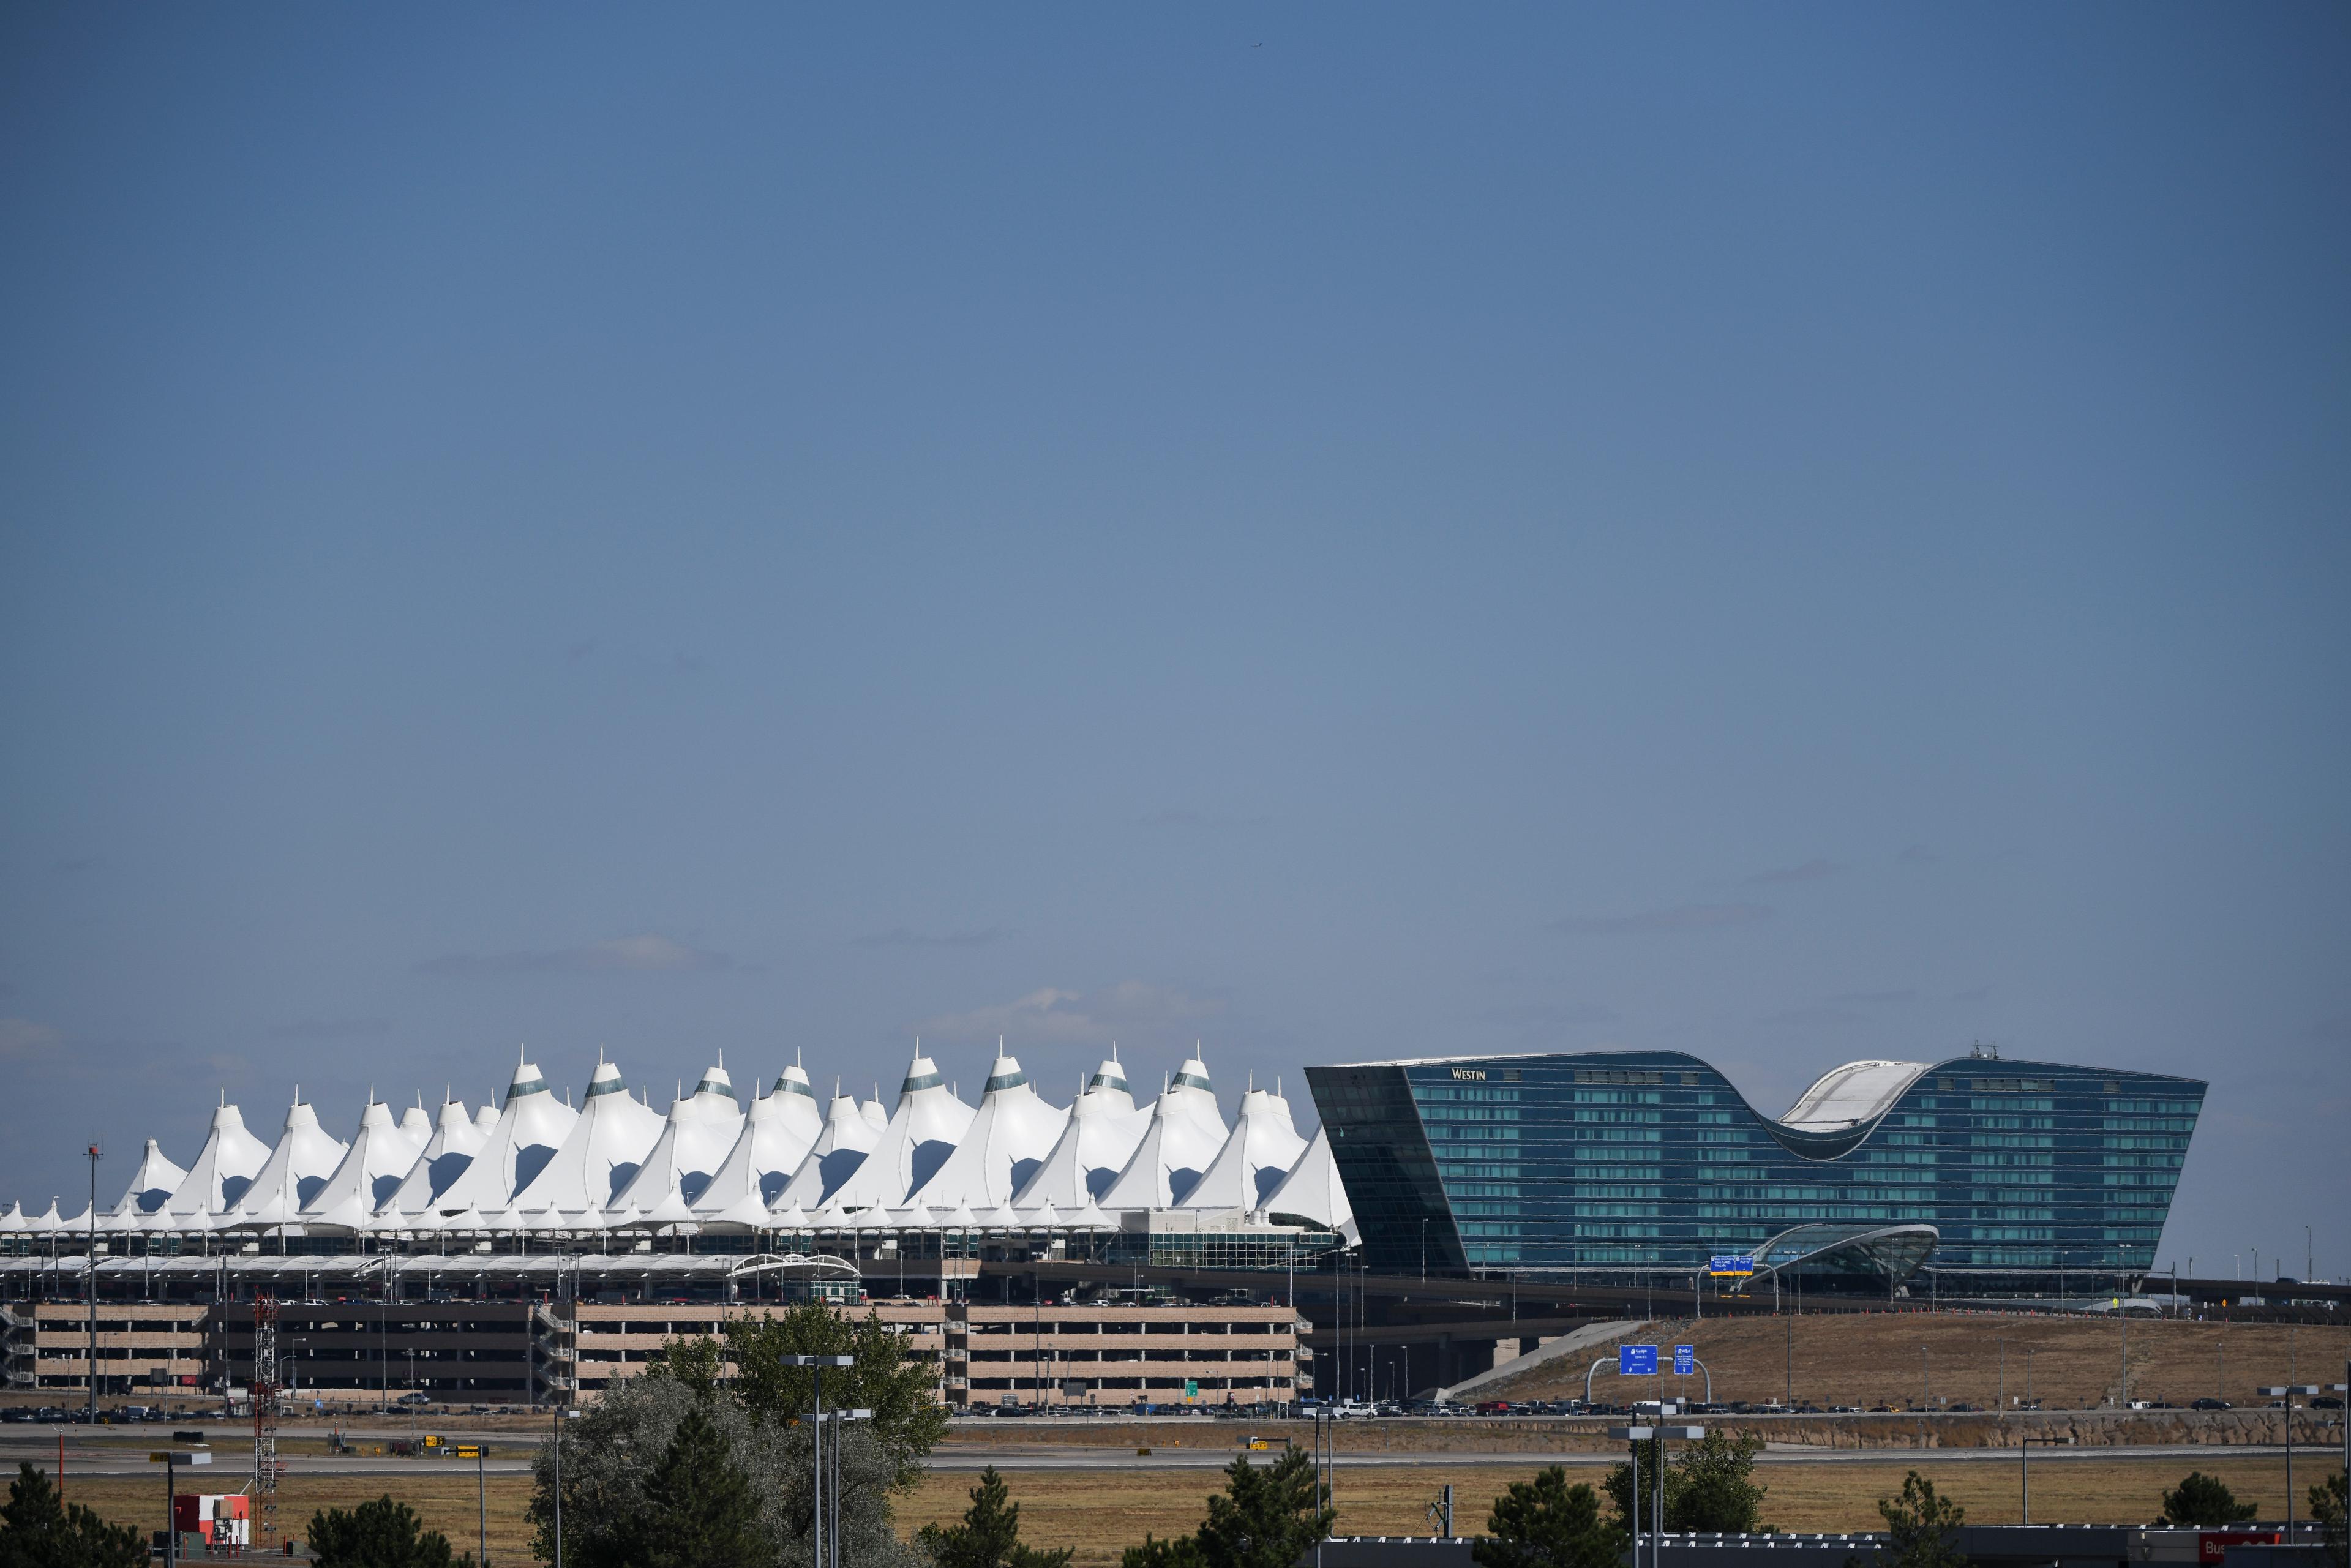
(1647,1161)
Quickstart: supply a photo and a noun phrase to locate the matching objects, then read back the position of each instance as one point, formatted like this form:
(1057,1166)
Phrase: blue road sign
(1636,1360)
(1725,1264)
(1685,1360)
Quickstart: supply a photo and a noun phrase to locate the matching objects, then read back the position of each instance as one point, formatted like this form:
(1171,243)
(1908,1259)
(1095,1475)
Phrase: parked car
(2209,1405)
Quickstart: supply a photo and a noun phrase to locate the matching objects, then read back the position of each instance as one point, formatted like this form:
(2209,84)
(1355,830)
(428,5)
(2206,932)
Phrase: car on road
(414,1396)
(2209,1405)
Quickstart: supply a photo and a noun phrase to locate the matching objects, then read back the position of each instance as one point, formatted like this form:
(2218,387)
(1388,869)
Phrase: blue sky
(1787,535)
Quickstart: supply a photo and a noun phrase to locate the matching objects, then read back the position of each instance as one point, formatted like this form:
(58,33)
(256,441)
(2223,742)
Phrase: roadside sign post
(2024,1469)
(171,1459)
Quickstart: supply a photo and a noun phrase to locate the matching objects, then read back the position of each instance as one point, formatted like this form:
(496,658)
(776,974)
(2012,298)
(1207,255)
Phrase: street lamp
(171,1459)
(2286,1393)
(1637,1436)
(562,1413)
(2024,1468)
(817,1363)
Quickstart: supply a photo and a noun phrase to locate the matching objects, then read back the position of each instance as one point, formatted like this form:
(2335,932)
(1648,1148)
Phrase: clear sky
(1784,533)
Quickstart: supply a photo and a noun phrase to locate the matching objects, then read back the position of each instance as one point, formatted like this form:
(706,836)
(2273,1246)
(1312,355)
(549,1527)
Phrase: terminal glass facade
(1652,1160)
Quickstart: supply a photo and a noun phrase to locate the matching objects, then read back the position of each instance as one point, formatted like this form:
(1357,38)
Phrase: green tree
(2204,1500)
(1919,1527)
(1711,1485)
(698,1510)
(2327,1510)
(1546,1523)
(1266,1517)
(379,1534)
(38,1530)
(898,1386)
(989,1535)
(1638,1511)
(612,1453)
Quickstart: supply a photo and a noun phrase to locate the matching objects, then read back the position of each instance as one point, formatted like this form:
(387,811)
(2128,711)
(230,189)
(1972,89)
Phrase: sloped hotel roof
(1850,1095)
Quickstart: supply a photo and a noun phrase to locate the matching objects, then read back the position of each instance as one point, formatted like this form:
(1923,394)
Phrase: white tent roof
(1095,1143)
(1264,1145)
(607,1141)
(306,1156)
(416,1124)
(447,1151)
(796,1103)
(874,1111)
(923,1130)
(848,1137)
(152,1185)
(381,1154)
(778,1134)
(1186,1133)
(1108,1085)
(1312,1190)
(1004,1146)
(486,1120)
(223,1167)
(694,1141)
(520,1146)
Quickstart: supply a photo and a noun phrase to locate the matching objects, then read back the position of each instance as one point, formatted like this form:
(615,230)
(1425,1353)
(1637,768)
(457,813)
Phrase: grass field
(1100,1512)
(1875,1358)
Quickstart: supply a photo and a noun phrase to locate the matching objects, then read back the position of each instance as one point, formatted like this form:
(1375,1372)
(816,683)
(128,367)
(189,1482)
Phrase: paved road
(231,1459)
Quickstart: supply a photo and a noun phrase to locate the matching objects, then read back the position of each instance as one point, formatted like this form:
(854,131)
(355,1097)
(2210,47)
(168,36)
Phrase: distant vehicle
(414,1396)
(2209,1405)
(2327,1402)
(1347,1407)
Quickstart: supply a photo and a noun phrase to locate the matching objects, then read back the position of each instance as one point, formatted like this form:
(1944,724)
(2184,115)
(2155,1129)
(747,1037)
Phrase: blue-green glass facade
(1652,1159)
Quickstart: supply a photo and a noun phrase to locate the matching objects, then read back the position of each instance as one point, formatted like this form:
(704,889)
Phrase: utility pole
(96,1148)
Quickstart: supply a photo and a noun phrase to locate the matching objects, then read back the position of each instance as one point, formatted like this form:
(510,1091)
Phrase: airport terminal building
(2003,1172)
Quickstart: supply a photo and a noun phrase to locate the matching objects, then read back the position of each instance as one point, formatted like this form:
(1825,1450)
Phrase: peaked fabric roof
(530,1127)
(1312,1190)
(848,1137)
(778,1134)
(1002,1148)
(1186,1133)
(695,1138)
(923,1130)
(1097,1141)
(306,1156)
(152,1185)
(609,1139)
(1262,1148)
(223,1167)
(381,1153)
(453,1142)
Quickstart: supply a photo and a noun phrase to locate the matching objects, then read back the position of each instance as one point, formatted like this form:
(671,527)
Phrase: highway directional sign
(1637,1361)
(1685,1360)
(1725,1264)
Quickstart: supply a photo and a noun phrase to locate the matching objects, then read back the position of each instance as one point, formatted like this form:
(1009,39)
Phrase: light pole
(2284,1394)
(816,1364)
(2000,1401)
(171,1459)
(1637,1436)
(2024,1468)
(96,1148)
(1925,1382)
(2028,1405)
(1424,1234)
(562,1413)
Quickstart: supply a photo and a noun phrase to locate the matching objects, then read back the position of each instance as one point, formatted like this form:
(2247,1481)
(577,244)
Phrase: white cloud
(22,1039)
(1053,1016)
(645,953)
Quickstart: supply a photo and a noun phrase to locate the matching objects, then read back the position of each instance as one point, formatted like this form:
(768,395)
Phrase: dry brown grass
(1101,1512)
(1872,1358)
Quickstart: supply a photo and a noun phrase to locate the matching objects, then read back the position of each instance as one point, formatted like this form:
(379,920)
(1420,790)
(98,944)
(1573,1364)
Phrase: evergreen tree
(379,1534)
(989,1535)
(2204,1500)
(1712,1485)
(1264,1518)
(698,1509)
(1638,1511)
(1546,1523)
(899,1386)
(1919,1527)
(2327,1511)
(38,1531)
